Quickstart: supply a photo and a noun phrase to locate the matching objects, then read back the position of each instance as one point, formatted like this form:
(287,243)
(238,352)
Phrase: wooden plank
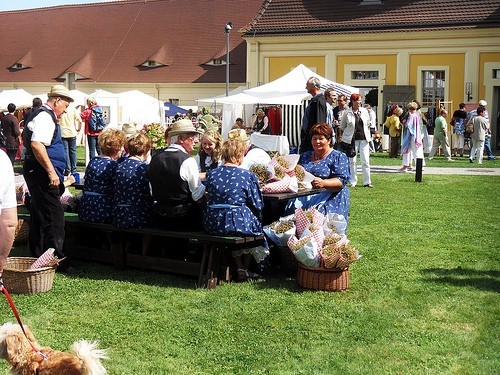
(163,264)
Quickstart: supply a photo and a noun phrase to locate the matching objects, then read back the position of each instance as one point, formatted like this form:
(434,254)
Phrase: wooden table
(274,203)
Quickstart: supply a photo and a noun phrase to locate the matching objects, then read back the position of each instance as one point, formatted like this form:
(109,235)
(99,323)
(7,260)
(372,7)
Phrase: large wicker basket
(19,280)
(329,279)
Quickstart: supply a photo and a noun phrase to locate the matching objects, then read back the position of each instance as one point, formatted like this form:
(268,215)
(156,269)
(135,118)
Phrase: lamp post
(227,30)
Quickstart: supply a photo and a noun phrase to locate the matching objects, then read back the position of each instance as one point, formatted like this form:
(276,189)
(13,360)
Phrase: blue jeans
(70,151)
(93,146)
(487,148)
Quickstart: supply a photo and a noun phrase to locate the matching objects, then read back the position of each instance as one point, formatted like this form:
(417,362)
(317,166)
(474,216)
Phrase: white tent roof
(218,97)
(19,97)
(141,108)
(288,89)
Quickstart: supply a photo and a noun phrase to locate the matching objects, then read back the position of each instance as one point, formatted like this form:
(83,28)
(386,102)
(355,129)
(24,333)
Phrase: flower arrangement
(156,132)
(282,174)
(315,240)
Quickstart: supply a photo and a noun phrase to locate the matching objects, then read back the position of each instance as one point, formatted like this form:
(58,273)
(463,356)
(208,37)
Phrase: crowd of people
(127,185)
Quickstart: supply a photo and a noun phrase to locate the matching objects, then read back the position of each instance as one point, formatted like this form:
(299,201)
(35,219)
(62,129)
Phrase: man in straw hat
(43,171)
(175,181)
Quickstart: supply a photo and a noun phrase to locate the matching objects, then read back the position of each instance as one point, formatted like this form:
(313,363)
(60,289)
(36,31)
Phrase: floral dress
(234,206)
(97,200)
(334,165)
(133,201)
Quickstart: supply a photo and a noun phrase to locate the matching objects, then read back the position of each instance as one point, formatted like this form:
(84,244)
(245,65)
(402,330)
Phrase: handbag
(348,148)
(469,129)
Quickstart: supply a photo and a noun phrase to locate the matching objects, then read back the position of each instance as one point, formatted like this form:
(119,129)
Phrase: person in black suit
(315,112)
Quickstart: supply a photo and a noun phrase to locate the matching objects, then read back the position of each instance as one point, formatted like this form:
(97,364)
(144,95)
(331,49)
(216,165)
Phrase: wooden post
(418,173)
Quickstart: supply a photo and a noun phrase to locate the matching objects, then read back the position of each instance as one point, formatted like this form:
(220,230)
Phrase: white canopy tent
(140,108)
(20,97)
(230,112)
(288,90)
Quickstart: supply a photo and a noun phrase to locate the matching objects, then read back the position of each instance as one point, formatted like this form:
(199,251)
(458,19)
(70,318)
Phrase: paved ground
(473,171)
(435,170)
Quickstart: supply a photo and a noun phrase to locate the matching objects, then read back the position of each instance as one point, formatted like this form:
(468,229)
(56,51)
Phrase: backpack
(97,121)
(469,128)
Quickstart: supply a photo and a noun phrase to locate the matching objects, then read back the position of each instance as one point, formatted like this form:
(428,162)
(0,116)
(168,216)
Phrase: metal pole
(227,62)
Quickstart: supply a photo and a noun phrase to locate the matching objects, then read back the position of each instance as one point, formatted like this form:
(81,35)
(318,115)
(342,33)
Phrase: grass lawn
(424,299)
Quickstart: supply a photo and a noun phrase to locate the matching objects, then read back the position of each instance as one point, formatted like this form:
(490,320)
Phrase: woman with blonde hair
(209,153)
(261,124)
(234,206)
(393,123)
(98,193)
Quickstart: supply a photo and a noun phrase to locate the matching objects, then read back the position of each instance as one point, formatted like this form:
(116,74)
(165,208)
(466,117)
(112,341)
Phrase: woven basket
(22,230)
(329,279)
(19,280)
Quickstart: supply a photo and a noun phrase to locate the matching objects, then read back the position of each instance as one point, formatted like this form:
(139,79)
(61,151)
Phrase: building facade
(433,51)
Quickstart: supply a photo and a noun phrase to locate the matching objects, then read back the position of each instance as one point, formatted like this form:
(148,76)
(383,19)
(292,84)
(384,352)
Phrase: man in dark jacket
(315,112)
(175,181)
(11,132)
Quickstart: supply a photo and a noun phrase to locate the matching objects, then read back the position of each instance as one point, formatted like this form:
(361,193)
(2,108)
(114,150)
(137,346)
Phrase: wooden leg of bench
(203,277)
(213,263)
(117,249)
(146,243)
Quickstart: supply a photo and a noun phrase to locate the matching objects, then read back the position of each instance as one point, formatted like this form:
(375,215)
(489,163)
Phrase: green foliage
(157,134)
(423,299)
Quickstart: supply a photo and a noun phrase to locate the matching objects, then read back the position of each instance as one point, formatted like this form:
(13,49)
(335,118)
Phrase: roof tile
(285,17)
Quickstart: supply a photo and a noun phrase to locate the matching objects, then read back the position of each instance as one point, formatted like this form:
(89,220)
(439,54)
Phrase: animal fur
(85,358)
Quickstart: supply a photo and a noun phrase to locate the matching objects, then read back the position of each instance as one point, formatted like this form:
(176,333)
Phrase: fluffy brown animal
(85,358)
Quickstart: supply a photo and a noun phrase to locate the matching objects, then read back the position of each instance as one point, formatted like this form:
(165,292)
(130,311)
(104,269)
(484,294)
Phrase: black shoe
(368,186)
(470,160)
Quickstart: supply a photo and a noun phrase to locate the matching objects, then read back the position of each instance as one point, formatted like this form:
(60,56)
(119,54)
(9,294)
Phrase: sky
(28,4)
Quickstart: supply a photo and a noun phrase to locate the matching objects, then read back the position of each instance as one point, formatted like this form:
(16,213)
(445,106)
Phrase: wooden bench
(213,248)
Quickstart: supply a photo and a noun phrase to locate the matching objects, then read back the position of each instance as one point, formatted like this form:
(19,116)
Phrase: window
(174,101)
(18,66)
(496,73)
(151,64)
(362,74)
(216,62)
(433,85)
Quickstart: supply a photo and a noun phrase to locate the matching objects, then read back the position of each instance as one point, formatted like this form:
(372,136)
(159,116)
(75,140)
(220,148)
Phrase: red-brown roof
(288,17)
(108,42)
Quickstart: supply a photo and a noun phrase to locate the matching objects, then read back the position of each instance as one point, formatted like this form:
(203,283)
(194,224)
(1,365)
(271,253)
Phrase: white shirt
(42,127)
(7,185)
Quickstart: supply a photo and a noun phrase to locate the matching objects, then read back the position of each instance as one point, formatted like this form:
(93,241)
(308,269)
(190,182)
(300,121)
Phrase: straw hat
(238,134)
(483,103)
(60,90)
(183,126)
